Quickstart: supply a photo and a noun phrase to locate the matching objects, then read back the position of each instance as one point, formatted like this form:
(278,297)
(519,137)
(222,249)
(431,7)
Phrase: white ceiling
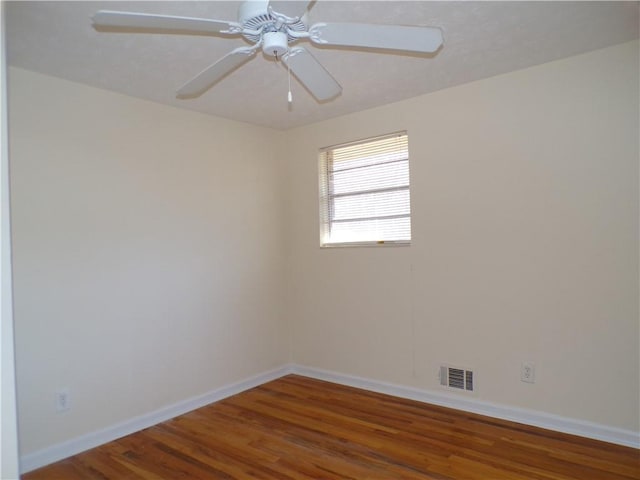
(482,39)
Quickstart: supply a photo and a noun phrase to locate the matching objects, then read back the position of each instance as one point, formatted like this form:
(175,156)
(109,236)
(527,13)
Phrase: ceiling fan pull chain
(289,96)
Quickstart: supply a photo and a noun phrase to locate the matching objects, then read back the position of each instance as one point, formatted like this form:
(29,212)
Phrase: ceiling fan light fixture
(275,44)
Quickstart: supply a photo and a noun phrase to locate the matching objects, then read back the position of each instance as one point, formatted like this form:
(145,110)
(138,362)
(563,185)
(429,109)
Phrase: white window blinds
(364,192)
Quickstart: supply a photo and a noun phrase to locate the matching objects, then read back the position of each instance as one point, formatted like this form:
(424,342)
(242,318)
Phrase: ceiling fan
(275,26)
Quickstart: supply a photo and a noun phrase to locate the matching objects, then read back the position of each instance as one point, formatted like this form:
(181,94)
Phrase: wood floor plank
(66,470)
(297,428)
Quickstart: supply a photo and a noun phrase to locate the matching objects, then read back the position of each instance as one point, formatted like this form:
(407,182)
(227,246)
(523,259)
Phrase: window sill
(367,244)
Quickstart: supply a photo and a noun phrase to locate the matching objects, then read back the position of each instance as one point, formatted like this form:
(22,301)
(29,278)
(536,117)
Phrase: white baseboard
(582,428)
(76,445)
(534,418)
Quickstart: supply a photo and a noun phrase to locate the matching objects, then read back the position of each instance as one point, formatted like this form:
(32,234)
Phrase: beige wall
(160,254)
(525,243)
(148,255)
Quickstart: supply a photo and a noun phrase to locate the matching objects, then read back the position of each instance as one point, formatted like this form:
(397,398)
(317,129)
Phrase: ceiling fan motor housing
(254,15)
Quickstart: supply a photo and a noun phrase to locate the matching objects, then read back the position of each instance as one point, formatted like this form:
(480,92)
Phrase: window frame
(326,195)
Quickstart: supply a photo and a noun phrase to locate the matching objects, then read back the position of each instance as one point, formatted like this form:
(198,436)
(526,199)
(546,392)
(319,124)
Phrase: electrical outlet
(63,400)
(528,372)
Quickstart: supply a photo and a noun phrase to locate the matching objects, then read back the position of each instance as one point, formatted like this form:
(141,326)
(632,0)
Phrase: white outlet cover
(62,400)
(528,372)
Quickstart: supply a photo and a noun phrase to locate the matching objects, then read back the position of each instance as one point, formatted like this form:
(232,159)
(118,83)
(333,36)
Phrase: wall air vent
(456,378)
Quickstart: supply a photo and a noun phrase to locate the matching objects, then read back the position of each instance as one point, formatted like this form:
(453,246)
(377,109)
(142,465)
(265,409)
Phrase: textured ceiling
(482,39)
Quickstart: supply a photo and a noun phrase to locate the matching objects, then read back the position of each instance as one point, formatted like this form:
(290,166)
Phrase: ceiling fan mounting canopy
(274,25)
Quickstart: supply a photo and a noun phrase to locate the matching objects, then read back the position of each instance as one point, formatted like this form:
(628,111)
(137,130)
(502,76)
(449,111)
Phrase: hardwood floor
(299,428)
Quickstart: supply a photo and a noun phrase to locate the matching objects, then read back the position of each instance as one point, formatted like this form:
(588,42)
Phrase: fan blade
(145,21)
(312,74)
(388,37)
(214,73)
(290,8)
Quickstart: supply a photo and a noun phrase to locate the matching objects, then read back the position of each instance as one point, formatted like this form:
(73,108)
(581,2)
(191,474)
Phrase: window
(364,192)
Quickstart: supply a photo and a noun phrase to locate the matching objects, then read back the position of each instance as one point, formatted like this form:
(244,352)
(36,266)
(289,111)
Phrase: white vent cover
(457,378)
